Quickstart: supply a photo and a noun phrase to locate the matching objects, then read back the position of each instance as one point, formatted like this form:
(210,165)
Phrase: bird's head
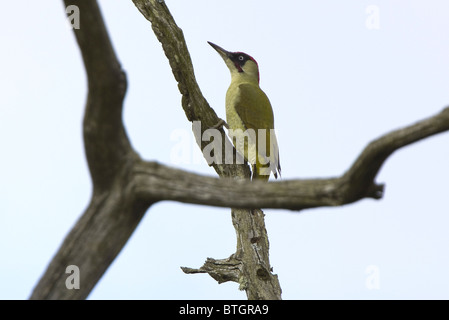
(240,64)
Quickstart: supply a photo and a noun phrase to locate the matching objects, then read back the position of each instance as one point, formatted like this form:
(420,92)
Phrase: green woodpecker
(249,115)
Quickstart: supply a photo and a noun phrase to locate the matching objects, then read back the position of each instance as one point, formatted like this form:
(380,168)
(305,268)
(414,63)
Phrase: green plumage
(252,106)
(250,116)
(248,107)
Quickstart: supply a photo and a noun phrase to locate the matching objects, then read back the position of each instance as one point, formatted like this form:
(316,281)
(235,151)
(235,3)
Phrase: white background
(334,85)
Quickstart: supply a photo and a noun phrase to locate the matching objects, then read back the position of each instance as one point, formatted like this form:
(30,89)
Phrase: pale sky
(336,78)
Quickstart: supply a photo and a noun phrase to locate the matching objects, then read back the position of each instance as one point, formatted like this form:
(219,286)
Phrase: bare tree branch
(255,277)
(369,162)
(106,143)
(113,212)
(156,181)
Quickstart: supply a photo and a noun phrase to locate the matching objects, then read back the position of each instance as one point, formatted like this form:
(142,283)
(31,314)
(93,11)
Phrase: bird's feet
(220,124)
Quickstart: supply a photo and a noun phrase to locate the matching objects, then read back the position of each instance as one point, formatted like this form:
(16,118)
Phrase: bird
(249,115)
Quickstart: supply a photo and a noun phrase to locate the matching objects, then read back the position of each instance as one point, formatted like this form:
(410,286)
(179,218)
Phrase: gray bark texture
(125,186)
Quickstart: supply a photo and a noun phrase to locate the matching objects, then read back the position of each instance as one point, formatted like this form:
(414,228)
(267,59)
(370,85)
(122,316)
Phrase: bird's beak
(222,52)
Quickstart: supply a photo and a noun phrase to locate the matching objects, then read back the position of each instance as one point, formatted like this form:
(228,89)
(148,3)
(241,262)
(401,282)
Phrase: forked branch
(124,186)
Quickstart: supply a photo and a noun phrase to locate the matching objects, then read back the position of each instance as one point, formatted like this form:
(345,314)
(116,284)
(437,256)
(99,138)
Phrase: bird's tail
(261,172)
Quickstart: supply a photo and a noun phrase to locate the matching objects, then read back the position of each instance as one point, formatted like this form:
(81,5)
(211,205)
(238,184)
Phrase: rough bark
(114,210)
(357,183)
(125,186)
(255,275)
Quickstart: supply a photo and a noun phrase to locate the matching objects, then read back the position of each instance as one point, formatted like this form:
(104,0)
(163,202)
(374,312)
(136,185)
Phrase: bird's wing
(254,109)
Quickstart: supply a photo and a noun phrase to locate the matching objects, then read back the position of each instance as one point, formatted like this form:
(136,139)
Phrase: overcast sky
(338,74)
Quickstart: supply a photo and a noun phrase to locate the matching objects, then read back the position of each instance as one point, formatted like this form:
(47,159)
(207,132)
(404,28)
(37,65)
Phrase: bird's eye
(241,58)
